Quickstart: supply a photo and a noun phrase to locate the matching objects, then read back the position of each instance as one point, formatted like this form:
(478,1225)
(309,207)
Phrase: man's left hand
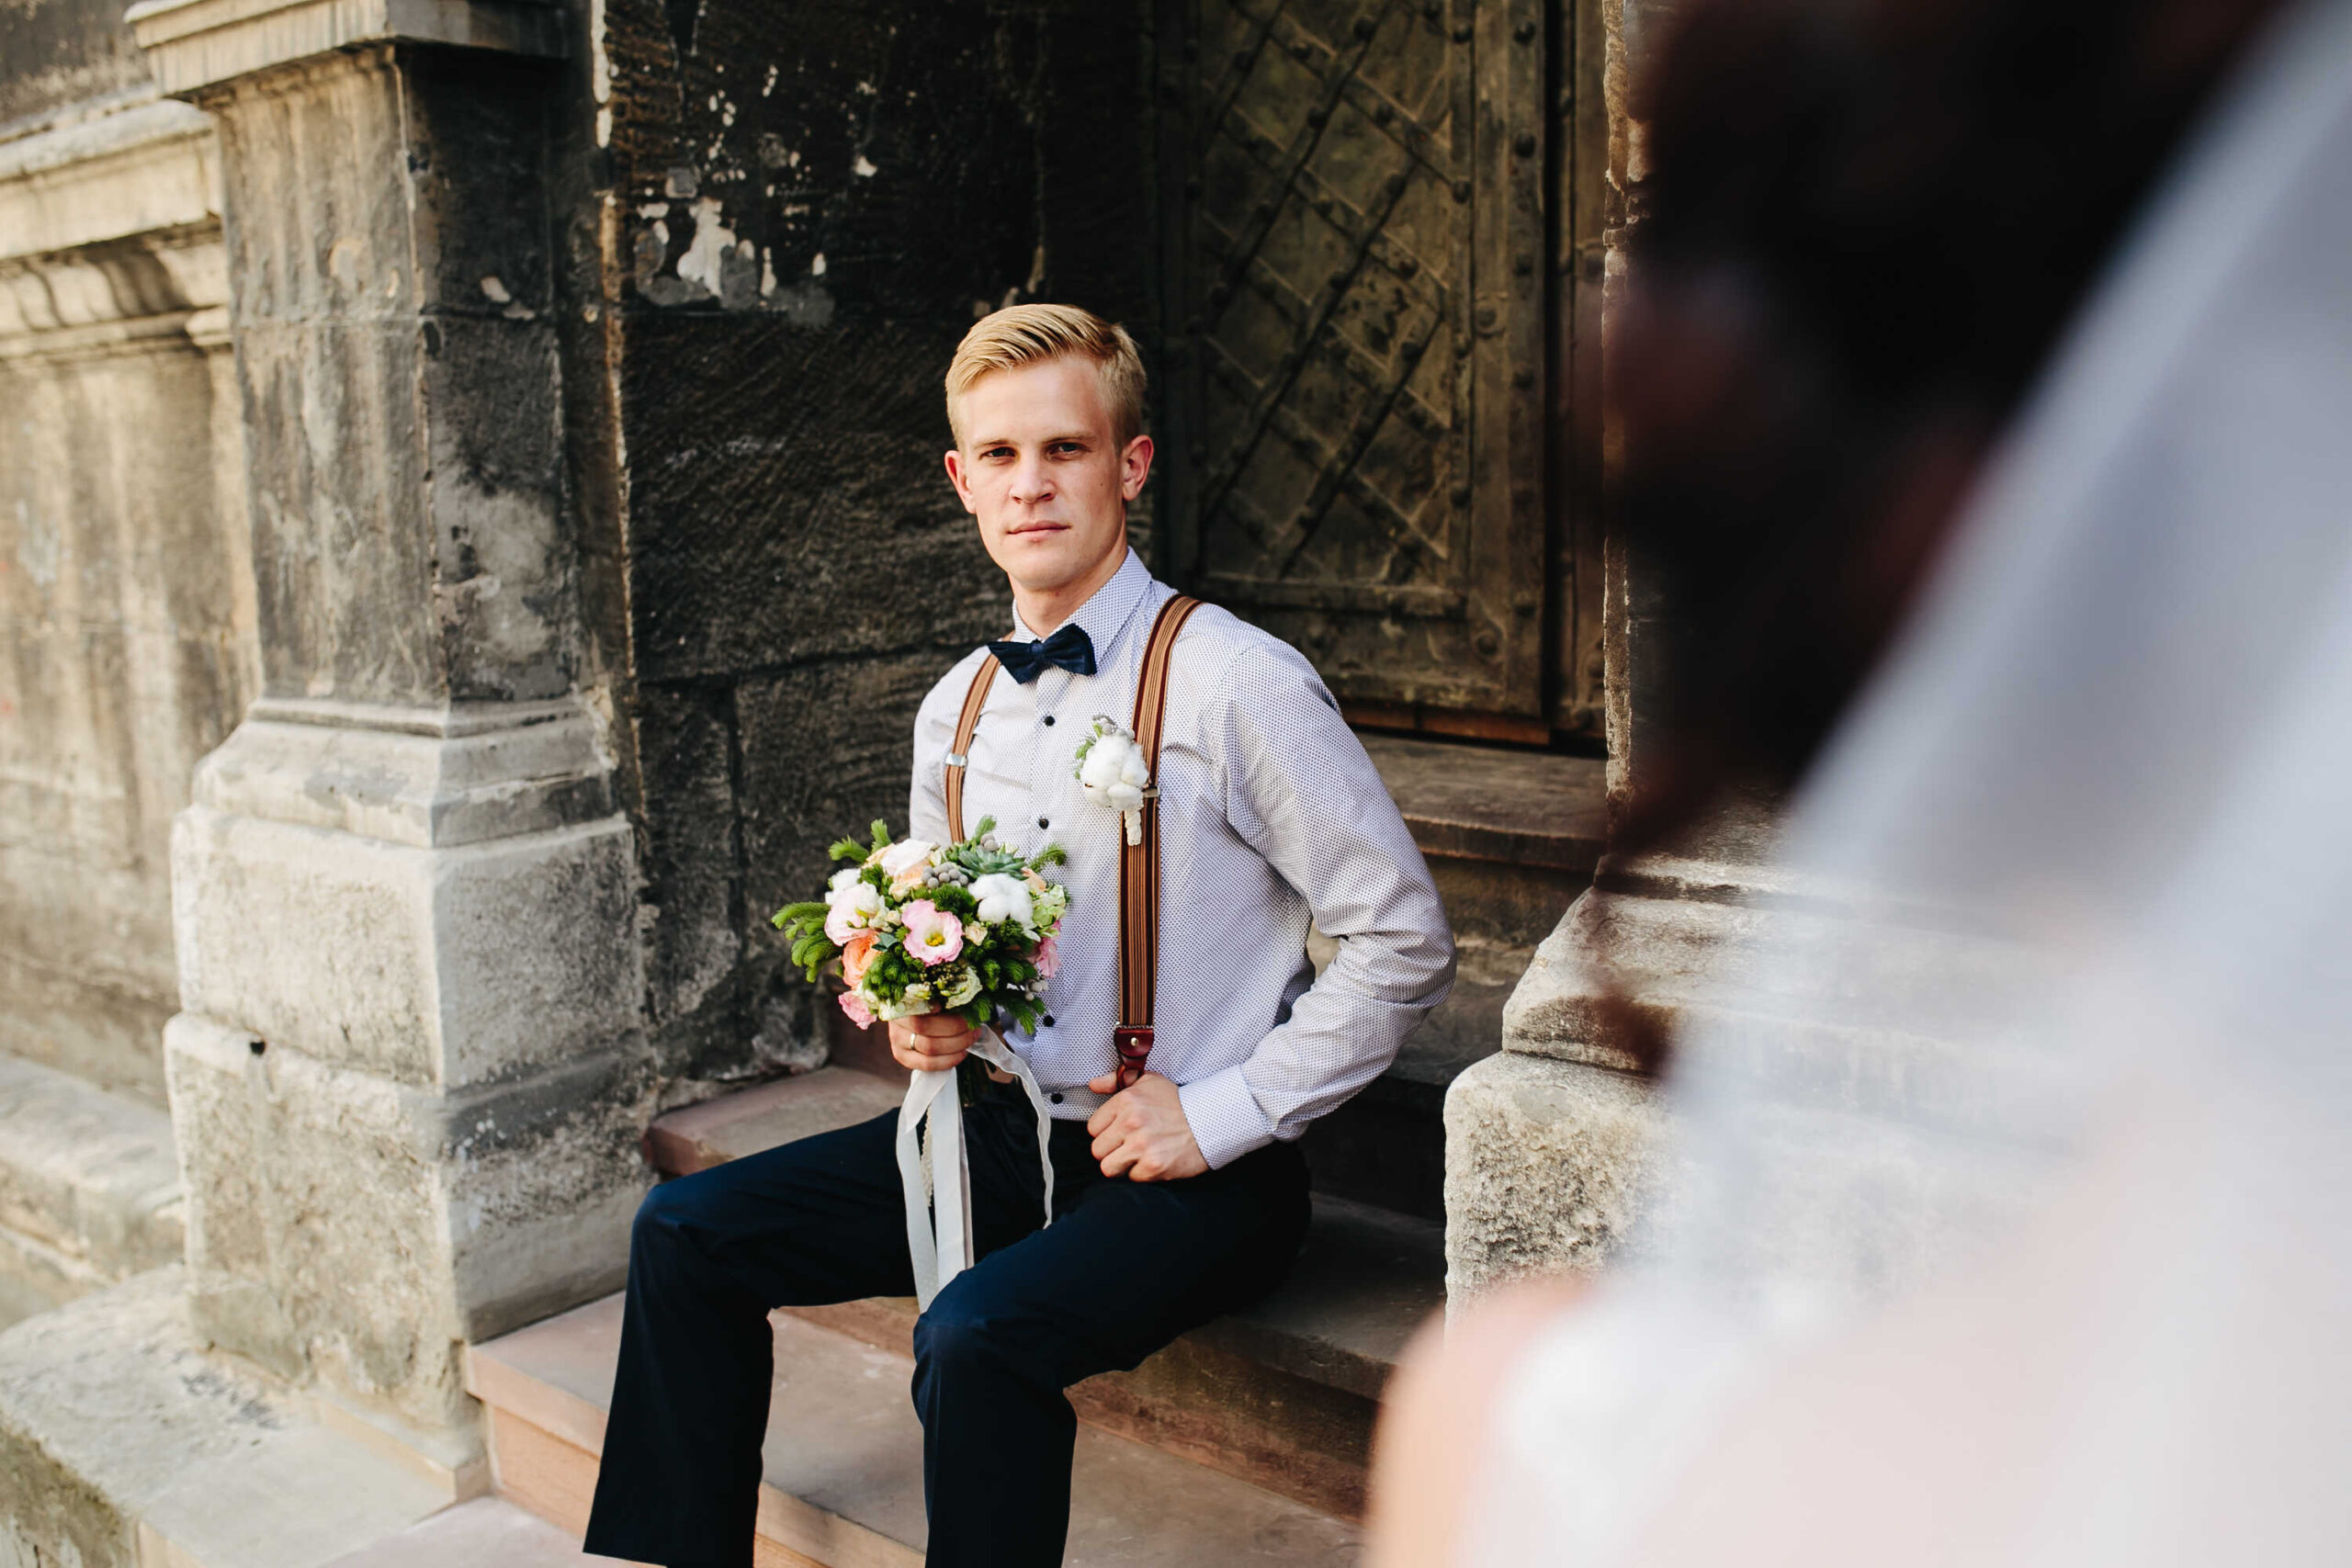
(1141,1134)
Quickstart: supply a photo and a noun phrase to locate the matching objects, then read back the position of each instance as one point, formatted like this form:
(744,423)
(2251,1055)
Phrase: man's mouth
(1040,526)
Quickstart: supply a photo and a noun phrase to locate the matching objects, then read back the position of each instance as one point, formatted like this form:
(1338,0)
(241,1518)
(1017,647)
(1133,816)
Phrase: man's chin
(1040,578)
(1046,561)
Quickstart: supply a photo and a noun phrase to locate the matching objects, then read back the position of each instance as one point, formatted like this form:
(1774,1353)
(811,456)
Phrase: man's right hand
(931,1041)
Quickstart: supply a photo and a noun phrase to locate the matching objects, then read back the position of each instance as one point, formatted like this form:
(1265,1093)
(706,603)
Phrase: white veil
(2036,1245)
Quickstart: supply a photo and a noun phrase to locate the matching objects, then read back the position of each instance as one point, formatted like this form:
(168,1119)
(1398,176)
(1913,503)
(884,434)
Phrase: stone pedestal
(406,1078)
(1552,1144)
(1557,1154)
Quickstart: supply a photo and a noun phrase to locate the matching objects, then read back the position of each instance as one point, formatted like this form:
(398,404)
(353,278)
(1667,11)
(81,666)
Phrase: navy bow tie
(1070,647)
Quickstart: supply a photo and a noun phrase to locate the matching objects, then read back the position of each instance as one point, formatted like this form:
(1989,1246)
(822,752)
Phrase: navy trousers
(1125,1267)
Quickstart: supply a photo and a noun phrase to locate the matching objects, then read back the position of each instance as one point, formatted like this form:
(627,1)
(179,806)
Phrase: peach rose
(857,956)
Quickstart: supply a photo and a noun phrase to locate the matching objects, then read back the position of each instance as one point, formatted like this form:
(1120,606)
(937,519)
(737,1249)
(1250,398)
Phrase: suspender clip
(1133,1043)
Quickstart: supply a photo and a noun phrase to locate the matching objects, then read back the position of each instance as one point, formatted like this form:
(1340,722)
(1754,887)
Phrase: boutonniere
(1111,770)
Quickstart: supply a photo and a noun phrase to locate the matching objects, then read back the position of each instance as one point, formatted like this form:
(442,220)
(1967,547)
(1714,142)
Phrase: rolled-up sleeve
(1299,789)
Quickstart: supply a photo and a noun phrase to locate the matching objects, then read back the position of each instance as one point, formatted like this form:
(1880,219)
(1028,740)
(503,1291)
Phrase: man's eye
(1065,447)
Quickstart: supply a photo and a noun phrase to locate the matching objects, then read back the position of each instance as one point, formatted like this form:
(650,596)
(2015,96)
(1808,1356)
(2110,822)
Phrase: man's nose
(1031,482)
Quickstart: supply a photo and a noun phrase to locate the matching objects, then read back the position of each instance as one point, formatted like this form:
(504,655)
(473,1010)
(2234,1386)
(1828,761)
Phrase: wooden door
(1358,314)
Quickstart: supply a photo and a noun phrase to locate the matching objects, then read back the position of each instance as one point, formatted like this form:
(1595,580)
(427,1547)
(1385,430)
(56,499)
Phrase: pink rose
(839,924)
(1047,958)
(932,934)
(859,1013)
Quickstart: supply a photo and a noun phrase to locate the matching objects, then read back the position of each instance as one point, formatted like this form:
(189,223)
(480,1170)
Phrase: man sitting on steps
(1176,1199)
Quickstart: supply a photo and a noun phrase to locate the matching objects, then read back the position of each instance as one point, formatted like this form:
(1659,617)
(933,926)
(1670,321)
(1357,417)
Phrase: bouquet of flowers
(965,928)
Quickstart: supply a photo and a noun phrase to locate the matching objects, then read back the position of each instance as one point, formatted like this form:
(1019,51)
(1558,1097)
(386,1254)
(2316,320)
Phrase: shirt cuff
(1224,1116)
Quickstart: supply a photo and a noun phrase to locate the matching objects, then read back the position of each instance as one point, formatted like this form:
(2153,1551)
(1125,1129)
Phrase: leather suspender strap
(959,755)
(1140,862)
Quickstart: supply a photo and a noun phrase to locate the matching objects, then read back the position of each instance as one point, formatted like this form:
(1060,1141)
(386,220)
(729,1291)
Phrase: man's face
(1042,470)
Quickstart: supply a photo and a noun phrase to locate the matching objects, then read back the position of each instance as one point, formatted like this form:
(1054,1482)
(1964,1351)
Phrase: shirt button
(1055,1098)
(1049,1021)
(1050,719)
(1043,823)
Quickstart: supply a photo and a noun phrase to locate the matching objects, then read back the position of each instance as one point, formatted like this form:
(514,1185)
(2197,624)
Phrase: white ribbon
(932,1096)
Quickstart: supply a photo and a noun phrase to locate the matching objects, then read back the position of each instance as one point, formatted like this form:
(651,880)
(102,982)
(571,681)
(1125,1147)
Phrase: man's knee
(662,1218)
(963,1328)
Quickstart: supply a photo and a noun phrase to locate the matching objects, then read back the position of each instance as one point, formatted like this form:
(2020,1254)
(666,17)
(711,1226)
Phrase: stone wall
(126,595)
(64,55)
(777,233)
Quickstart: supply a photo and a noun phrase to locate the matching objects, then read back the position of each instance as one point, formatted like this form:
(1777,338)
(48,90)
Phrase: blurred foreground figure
(2041,1253)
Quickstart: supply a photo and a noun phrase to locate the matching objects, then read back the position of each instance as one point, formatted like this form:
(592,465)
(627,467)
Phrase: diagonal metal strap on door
(1355,308)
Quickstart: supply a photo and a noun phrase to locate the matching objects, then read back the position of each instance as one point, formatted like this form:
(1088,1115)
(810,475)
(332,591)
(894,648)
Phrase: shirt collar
(1108,610)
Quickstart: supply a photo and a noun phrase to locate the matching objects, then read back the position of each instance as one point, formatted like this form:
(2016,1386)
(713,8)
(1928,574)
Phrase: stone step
(843,1463)
(1511,836)
(124,1440)
(1282,1394)
(1386,1146)
(696,1137)
(89,1188)
(489,1532)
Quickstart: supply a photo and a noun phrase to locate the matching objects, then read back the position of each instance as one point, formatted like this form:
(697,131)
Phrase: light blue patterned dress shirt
(1271,817)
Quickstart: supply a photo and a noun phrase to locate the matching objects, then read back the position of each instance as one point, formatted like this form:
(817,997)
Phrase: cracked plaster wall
(784,219)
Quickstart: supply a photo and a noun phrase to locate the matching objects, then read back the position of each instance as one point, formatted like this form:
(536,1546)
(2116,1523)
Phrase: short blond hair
(1030,334)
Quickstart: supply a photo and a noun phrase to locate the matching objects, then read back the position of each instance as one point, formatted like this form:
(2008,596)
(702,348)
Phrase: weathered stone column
(406,1074)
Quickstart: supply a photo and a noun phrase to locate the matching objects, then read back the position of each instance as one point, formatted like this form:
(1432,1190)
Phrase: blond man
(1176,1198)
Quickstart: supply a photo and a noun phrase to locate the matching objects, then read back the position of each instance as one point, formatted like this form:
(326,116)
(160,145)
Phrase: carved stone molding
(195,44)
(117,296)
(110,236)
(148,168)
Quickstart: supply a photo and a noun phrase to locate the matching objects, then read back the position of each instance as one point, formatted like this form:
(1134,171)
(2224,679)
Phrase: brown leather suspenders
(960,754)
(1139,863)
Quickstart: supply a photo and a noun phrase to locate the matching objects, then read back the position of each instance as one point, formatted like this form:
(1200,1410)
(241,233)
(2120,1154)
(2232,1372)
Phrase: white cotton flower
(1112,772)
(843,877)
(1004,898)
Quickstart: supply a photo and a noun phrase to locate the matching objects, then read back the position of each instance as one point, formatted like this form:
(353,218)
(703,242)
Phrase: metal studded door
(1355,317)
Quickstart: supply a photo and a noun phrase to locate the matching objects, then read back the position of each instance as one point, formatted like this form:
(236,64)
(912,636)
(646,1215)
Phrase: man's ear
(955,478)
(1135,467)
